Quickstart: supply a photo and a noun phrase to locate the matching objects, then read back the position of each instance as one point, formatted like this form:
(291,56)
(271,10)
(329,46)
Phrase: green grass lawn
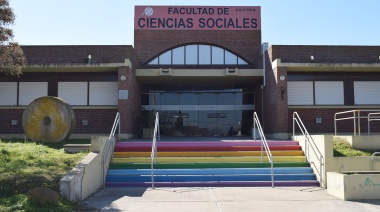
(25,165)
(343,149)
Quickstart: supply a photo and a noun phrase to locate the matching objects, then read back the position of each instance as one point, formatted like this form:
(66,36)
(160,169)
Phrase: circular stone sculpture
(48,119)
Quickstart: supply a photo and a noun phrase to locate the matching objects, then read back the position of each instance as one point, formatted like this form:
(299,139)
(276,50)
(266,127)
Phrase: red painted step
(206,146)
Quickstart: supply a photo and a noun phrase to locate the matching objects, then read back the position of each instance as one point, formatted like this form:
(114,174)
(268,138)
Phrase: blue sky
(110,22)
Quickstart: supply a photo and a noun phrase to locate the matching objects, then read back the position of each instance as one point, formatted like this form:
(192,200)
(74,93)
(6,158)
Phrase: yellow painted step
(208,159)
(207,154)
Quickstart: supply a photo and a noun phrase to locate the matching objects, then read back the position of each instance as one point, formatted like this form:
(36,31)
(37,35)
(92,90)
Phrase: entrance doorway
(202,113)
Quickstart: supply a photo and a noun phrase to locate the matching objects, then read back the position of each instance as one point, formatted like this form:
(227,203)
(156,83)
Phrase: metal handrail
(309,142)
(344,112)
(110,143)
(373,159)
(153,155)
(264,143)
(356,115)
(376,118)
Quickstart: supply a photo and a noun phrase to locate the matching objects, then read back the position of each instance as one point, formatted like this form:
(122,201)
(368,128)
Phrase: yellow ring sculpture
(48,119)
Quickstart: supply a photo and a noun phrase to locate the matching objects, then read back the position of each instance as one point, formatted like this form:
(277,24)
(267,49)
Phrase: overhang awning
(171,75)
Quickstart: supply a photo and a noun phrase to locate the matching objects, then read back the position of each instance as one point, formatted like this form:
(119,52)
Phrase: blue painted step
(209,178)
(216,171)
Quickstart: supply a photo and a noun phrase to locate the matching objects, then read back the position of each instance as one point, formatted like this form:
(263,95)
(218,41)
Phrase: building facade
(205,70)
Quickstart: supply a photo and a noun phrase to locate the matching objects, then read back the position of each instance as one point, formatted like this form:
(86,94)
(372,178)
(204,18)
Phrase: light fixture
(312,58)
(89,59)
(282,77)
(123,77)
(282,93)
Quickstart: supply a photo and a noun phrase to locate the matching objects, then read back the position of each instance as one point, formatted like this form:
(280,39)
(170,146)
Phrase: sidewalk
(224,199)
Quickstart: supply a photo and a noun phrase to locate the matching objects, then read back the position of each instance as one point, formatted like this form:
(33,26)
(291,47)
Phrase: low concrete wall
(363,142)
(331,163)
(314,156)
(354,185)
(87,176)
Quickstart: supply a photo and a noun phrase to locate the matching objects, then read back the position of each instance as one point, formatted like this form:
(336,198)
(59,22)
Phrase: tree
(12,58)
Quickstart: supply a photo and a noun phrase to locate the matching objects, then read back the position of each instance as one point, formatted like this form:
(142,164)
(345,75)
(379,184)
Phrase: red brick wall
(78,54)
(275,109)
(275,106)
(129,109)
(6,115)
(326,54)
(151,43)
(99,121)
(308,116)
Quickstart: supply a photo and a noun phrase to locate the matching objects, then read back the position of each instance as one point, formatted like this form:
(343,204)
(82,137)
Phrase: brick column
(129,108)
(276,103)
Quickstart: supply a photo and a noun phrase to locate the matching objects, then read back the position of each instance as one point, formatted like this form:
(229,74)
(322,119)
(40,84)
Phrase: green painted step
(206,165)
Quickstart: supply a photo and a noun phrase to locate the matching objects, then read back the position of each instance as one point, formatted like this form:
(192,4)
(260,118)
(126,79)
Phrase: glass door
(208,114)
(188,114)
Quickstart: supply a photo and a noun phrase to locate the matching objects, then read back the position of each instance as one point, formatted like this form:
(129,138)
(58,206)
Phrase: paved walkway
(224,199)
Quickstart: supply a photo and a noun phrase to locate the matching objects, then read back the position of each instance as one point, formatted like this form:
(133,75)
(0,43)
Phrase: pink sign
(197,18)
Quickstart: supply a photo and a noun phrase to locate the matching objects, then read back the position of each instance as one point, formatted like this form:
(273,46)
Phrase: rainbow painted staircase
(209,163)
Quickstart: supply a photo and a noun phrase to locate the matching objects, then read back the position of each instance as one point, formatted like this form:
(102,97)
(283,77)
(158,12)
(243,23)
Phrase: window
(191,54)
(8,94)
(300,93)
(217,55)
(204,55)
(367,92)
(103,93)
(198,54)
(325,93)
(30,91)
(74,93)
(179,56)
(230,59)
(165,58)
(329,93)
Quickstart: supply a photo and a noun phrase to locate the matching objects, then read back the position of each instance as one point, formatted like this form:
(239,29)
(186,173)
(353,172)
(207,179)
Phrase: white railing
(356,118)
(373,160)
(264,144)
(375,118)
(109,146)
(309,142)
(153,155)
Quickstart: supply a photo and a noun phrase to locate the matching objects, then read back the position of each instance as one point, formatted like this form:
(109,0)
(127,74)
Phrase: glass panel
(179,56)
(230,58)
(227,124)
(207,114)
(246,118)
(166,58)
(241,61)
(154,62)
(191,54)
(189,111)
(217,56)
(150,101)
(169,113)
(204,55)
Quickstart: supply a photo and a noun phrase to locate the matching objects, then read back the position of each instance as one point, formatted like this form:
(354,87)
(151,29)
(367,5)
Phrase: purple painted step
(213,143)
(217,184)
